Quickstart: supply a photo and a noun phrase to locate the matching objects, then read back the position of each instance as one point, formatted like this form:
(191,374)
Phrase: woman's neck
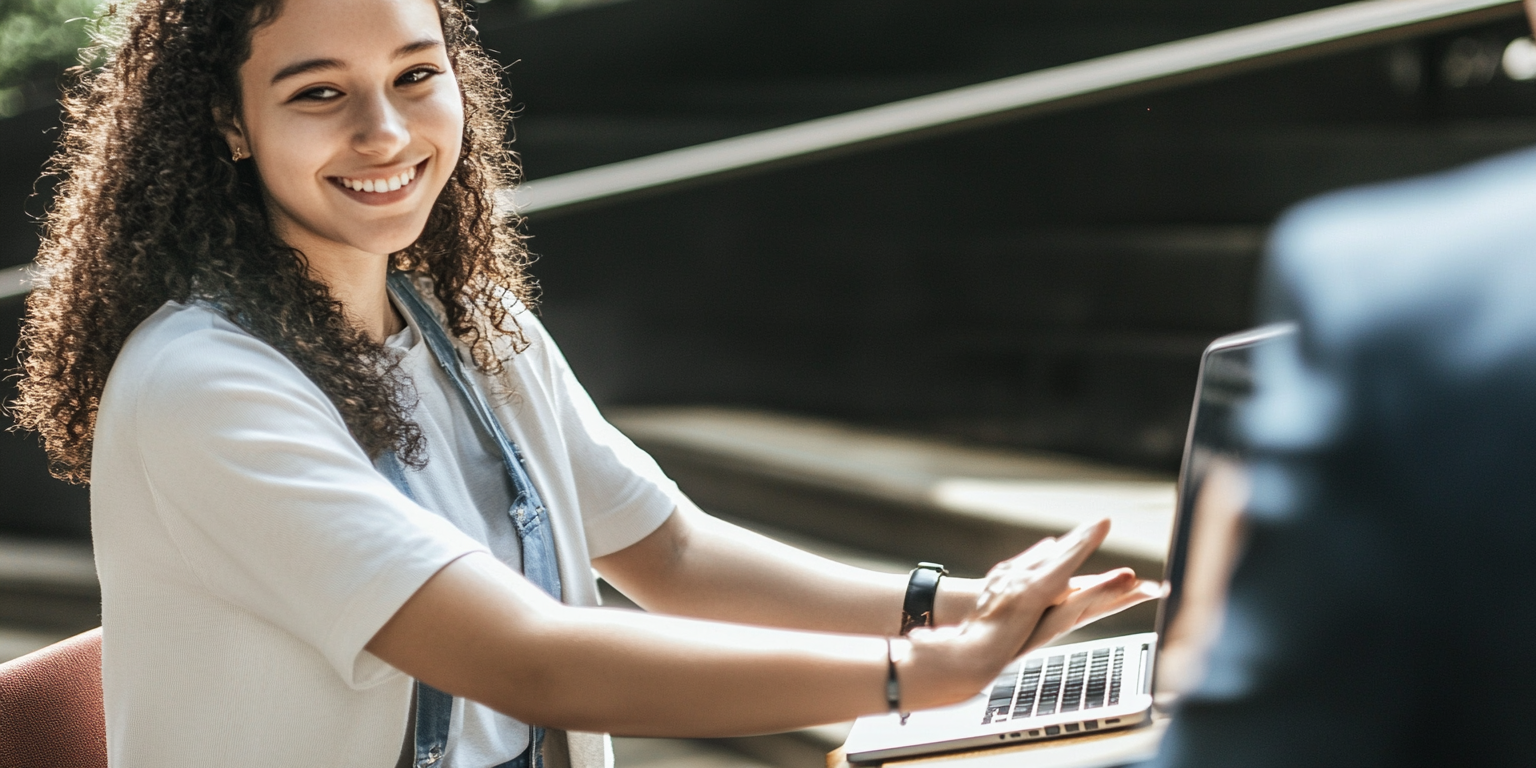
(357,280)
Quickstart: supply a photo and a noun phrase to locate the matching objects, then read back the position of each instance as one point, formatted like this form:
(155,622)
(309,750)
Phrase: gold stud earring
(238,154)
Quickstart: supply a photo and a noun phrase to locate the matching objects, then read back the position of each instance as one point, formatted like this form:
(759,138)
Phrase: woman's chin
(316,237)
(384,245)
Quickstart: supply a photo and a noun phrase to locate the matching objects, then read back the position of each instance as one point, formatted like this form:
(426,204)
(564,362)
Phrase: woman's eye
(417,75)
(323,93)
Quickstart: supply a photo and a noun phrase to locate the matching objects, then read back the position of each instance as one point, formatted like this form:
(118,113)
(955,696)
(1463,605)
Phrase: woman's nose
(381,129)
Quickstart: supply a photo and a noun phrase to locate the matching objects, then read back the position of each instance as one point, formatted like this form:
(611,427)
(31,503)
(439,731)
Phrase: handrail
(14,281)
(1205,57)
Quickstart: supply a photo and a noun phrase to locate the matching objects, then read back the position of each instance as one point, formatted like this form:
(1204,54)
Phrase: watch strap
(922,590)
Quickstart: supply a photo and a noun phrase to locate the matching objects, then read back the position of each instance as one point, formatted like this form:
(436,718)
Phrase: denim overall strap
(433,707)
(528,513)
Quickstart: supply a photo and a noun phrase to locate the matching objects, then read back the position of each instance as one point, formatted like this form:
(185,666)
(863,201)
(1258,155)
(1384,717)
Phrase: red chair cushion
(50,707)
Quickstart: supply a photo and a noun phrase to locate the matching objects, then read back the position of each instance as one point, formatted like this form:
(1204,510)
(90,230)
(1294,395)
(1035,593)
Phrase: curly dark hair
(150,208)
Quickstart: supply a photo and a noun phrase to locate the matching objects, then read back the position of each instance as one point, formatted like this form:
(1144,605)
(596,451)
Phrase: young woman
(280,329)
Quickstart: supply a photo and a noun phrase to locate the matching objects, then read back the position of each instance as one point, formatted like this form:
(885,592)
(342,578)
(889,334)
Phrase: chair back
(50,707)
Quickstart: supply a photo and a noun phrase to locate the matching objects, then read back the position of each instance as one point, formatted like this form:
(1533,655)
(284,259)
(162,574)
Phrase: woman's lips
(404,184)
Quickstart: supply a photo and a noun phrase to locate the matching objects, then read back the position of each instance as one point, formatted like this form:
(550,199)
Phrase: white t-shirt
(248,550)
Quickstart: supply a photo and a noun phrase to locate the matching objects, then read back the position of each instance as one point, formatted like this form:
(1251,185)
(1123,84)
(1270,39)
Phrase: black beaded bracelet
(922,590)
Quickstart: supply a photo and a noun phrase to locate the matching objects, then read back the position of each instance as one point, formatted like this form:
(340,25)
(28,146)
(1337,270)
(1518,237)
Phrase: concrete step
(685,753)
(901,496)
(48,591)
(48,566)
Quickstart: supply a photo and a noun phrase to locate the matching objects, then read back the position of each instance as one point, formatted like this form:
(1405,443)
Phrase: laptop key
(1072,690)
(1115,673)
(1001,699)
(1098,679)
(1029,689)
(1050,689)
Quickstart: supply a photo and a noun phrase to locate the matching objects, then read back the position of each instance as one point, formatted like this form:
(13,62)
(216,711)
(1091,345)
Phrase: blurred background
(891,280)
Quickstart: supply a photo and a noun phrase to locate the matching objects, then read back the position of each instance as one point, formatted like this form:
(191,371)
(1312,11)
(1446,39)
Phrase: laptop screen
(1207,530)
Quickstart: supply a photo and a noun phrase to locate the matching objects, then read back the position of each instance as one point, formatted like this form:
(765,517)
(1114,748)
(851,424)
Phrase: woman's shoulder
(182,346)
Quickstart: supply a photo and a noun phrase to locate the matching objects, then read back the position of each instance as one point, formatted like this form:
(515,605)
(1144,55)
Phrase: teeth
(382,185)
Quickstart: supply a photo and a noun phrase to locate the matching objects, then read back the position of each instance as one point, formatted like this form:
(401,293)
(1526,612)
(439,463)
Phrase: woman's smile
(379,187)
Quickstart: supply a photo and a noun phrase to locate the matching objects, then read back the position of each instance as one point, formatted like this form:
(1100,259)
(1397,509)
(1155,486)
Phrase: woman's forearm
(697,565)
(476,631)
(645,675)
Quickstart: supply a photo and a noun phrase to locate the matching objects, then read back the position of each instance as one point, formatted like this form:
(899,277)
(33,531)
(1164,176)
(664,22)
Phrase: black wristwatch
(922,588)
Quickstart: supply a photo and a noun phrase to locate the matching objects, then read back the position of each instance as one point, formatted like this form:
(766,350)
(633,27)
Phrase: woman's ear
(234,134)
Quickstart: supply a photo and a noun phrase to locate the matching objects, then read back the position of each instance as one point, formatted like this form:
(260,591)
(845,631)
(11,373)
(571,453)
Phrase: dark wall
(31,502)
(1047,283)
(1044,284)
(26,141)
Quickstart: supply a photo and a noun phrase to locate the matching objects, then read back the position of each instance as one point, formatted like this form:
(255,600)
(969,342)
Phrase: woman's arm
(700,566)
(479,630)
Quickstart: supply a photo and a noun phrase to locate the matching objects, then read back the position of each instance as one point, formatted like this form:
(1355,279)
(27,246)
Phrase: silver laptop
(1109,683)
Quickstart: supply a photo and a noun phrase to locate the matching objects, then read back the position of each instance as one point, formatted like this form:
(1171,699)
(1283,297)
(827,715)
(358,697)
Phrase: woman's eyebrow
(313,65)
(419,45)
(302,67)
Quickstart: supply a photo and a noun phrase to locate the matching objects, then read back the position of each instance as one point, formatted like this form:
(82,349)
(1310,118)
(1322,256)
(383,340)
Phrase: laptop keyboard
(1040,686)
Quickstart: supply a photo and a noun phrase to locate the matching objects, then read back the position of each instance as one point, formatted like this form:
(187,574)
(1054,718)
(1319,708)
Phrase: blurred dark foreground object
(1380,613)
(50,707)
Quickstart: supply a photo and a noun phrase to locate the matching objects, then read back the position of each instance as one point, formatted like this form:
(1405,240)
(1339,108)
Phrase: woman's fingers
(1026,601)
(1070,549)
(1074,548)
(1093,579)
(1115,591)
(1016,596)
(1018,591)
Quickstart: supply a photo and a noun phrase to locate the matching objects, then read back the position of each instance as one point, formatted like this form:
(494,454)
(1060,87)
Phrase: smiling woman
(347,497)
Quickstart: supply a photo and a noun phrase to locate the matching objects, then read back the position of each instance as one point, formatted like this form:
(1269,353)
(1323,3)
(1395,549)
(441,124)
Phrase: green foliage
(39,38)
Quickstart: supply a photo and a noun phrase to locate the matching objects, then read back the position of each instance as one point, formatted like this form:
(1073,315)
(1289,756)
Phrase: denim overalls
(531,520)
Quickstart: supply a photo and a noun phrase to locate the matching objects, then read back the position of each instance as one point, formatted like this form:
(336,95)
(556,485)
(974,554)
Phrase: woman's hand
(1092,598)
(1024,602)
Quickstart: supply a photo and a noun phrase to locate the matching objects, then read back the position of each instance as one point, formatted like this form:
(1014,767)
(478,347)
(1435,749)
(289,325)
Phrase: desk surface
(1099,750)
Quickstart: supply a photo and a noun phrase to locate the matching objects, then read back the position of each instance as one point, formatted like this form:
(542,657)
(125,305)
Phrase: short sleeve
(272,504)
(622,493)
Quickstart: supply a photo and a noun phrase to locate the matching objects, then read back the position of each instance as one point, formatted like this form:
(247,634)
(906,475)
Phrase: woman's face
(353,119)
